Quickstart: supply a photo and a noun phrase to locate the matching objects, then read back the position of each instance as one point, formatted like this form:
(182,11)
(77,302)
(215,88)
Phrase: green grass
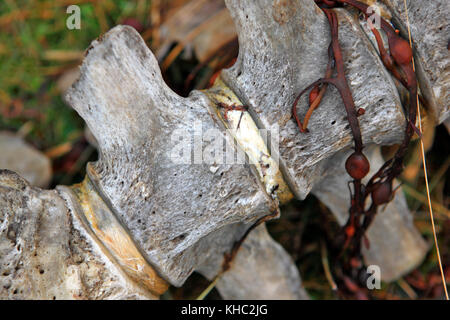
(26,76)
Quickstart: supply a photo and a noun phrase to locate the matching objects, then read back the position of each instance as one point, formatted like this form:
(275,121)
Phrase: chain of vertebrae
(141,221)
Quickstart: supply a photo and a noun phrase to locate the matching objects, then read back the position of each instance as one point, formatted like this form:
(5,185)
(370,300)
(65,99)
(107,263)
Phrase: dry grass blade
(59,150)
(326,267)
(209,288)
(63,55)
(407,288)
(422,148)
(440,209)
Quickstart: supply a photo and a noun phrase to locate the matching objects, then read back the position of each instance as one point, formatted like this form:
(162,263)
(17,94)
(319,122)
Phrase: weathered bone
(430,29)
(279,69)
(272,69)
(262,269)
(47,253)
(131,112)
(33,165)
(169,208)
(50,252)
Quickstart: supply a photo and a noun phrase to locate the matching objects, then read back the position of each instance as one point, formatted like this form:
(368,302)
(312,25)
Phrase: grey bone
(130,110)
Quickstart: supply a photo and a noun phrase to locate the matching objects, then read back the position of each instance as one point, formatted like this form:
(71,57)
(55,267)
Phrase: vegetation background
(39,58)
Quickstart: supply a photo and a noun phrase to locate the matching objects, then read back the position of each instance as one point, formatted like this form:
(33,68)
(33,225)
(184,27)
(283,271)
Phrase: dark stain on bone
(283,10)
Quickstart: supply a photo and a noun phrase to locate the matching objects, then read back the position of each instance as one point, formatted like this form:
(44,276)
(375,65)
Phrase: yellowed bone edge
(248,137)
(108,230)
